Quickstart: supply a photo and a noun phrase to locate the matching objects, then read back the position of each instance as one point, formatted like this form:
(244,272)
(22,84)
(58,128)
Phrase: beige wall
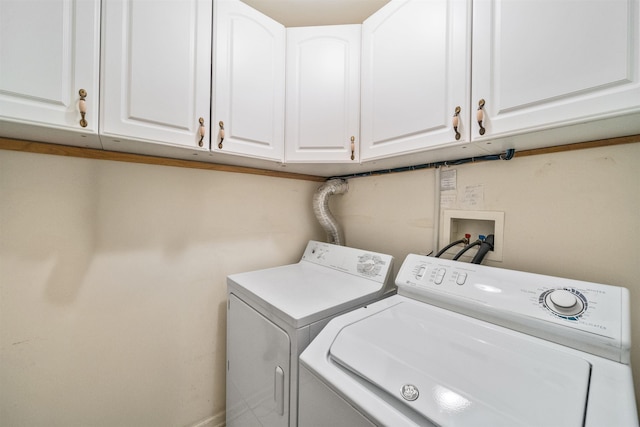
(112,285)
(573,214)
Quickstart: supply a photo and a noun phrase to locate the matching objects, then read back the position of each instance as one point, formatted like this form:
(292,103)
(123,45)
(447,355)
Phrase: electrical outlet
(458,223)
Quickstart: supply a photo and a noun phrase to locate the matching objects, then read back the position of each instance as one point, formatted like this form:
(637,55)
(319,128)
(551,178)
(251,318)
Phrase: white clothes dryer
(273,314)
(470,345)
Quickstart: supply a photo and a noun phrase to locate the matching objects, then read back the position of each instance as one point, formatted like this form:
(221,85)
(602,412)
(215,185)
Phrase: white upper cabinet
(415,73)
(541,64)
(49,53)
(248,100)
(156,72)
(323,94)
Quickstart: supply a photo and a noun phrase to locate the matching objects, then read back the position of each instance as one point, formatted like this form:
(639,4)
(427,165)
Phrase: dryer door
(455,370)
(257,368)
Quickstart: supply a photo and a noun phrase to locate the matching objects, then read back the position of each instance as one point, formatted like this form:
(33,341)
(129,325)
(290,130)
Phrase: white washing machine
(471,345)
(273,314)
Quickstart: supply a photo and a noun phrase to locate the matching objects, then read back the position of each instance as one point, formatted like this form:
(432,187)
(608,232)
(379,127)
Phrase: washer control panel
(370,265)
(571,312)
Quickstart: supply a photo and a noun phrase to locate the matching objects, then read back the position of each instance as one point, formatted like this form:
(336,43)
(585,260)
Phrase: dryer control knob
(563,299)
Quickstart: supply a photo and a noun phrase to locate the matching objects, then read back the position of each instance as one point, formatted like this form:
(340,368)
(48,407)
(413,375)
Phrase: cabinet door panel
(152,57)
(552,63)
(249,82)
(49,51)
(156,70)
(415,64)
(323,93)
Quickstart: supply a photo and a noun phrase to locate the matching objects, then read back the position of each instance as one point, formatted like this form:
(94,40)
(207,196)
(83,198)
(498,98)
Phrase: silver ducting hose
(321,209)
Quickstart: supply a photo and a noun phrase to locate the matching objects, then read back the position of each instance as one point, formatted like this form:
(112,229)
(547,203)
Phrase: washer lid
(454,370)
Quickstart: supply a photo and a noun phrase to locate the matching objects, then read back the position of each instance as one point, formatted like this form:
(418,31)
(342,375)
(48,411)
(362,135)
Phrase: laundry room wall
(573,214)
(112,285)
(112,274)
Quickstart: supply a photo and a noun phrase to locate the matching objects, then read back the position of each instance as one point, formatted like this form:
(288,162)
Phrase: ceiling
(304,13)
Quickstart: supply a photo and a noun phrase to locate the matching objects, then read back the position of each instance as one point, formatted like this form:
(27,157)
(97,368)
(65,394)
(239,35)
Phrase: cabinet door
(156,72)
(258,368)
(540,64)
(323,94)
(415,72)
(49,51)
(248,100)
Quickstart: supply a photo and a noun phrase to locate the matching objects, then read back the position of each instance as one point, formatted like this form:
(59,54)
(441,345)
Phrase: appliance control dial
(563,298)
(565,303)
(370,265)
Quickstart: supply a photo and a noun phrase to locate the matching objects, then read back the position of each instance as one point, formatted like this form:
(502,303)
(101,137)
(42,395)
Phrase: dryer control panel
(370,265)
(588,316)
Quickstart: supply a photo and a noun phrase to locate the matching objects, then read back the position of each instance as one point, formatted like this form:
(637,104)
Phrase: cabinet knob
(480,116)
(82,106)
(221,124)
(201,120)
(353,147)
(456,122)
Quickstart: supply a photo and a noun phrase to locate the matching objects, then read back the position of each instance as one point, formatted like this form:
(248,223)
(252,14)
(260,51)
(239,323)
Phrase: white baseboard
(218,420)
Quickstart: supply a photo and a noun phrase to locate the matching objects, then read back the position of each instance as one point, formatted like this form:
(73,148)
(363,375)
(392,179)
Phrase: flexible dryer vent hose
(321,209)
